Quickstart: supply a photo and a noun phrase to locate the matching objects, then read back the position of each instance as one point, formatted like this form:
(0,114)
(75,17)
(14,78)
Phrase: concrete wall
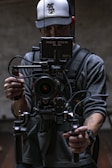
(94,31)
(18,34)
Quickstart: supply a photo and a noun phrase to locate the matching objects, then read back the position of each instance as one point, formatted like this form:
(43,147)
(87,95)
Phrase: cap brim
(52,21)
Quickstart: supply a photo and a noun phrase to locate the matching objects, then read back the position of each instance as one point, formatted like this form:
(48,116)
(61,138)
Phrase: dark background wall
(18,34)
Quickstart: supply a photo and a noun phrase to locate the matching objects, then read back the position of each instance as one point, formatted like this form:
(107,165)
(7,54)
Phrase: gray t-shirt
(50,148)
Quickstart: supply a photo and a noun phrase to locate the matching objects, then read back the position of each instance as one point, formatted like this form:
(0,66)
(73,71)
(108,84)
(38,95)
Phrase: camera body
(50,78)
(53,97)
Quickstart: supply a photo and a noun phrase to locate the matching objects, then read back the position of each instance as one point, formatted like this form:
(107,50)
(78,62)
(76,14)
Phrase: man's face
(56,31)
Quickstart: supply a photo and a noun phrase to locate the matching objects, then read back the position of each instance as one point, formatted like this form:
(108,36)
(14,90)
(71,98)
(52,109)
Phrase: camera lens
(46,87)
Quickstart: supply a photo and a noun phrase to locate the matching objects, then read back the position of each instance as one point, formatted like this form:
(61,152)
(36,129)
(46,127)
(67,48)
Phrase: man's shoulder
(34,52)
(81,52)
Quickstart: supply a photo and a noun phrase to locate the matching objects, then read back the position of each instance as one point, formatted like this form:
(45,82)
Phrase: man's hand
(13,87)
(79,142)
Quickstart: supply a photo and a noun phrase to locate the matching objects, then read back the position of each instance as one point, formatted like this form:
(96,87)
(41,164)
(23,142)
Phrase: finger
(77,147)
(17,84)
(21,78)
(13,85)
(66,135)
(81,130)
(10,79)
(11,93)
(14,79)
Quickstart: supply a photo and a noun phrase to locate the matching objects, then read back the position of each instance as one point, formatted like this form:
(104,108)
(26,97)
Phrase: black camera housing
(54,54)
(49,83)
(56,49)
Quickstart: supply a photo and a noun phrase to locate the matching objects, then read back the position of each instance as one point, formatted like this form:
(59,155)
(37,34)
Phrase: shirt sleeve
(94,81)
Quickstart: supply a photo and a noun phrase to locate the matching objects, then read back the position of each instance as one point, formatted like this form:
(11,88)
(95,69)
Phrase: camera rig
(50,81)
(50,86)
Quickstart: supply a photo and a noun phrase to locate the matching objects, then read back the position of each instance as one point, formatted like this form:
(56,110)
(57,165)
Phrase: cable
(9,65)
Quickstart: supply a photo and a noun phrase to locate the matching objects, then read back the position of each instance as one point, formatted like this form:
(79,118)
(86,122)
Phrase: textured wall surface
(94,31)
(18,34)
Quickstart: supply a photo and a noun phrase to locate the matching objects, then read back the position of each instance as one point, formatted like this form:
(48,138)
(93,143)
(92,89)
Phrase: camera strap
(77,62)
(75,67)
(35,53)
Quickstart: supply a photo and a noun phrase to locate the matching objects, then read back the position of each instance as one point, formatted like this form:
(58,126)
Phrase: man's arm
(80,142)
(94,122)
(14,90)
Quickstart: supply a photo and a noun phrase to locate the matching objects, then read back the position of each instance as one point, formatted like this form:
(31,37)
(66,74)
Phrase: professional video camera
(53,95)
(49,83)
(51,87)
(54,54)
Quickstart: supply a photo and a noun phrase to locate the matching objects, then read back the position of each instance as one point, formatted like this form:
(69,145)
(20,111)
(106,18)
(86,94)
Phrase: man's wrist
(91,137)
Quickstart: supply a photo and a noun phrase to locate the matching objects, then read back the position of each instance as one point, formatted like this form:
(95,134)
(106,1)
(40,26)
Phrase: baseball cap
(52,12)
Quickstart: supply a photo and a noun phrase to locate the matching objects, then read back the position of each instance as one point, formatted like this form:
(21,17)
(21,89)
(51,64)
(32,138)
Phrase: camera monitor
(56,48)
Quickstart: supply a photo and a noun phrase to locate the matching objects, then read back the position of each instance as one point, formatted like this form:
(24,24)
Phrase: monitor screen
(57,48)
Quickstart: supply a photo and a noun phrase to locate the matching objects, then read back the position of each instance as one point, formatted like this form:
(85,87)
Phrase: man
(54,148)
